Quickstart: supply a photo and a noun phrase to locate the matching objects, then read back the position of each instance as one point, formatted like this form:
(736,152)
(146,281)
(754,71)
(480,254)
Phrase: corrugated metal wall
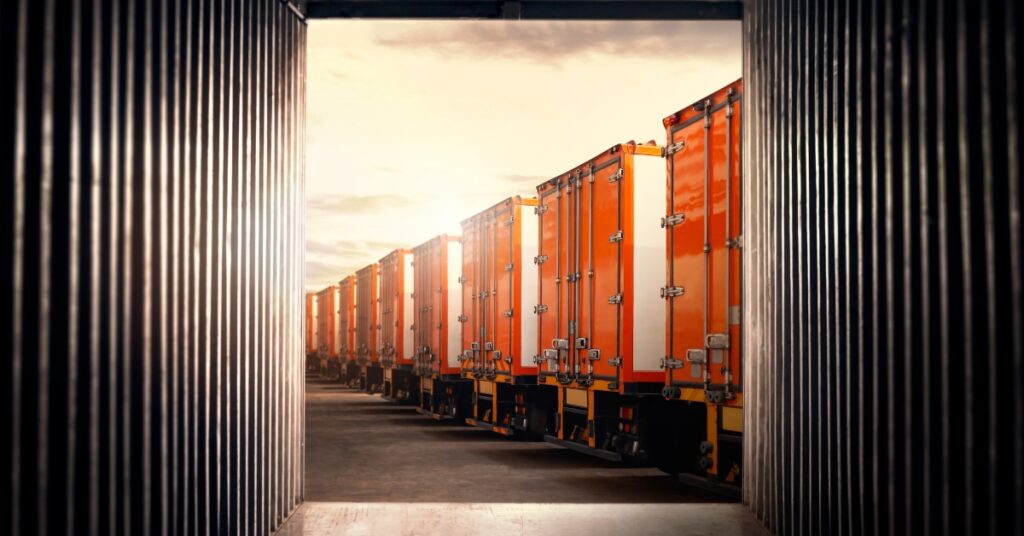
(152,270)
(883,310)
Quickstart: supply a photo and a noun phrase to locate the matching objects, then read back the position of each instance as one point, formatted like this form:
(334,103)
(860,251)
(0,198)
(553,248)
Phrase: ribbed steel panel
(152,234)
(885,359)
(527,9)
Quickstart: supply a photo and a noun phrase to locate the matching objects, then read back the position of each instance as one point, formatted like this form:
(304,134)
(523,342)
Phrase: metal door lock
(582,343)
(696,355)
(716,341)
(593,354)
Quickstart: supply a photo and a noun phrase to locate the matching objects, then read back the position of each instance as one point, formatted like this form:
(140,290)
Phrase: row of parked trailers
(602,315)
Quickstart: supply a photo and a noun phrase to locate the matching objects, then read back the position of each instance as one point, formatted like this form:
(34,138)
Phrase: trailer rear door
(703,229)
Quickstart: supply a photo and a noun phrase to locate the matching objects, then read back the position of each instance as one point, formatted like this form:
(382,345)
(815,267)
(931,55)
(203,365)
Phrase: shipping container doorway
(416,128)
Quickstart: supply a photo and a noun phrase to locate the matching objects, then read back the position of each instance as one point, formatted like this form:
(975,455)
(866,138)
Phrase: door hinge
(615,361)
(736,242)
(673,149)
(510,266)
(540,259)
(463,318)
(616,236)
(616,176)
(541,209)
(670,363)
(508,313)
(463,280)
(674,219)
(615,299)
(540,309)
(672,292)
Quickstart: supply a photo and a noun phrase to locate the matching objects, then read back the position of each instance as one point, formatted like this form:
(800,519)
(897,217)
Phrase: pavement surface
(374,467)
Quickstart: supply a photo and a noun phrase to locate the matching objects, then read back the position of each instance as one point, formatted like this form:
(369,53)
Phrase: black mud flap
(503,430)
(572,445)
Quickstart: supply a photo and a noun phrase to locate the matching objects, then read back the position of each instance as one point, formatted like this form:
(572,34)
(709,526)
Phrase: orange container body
(396,308)
(703,244)
(366,314)
(346,318)
(326,322)
(311,320)
(703,239)
(601,260)
(499,290)
(437,306)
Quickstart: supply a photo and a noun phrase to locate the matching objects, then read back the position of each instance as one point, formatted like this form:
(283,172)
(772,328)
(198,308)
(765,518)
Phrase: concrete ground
(373,467)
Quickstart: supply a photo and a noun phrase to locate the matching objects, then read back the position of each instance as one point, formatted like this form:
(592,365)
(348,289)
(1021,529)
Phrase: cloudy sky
(414,126)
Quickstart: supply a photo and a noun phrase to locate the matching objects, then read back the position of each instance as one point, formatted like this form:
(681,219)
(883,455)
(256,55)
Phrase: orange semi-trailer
(601,319)
(498,327)
(371,376)
(346,314)
(702,338)
(312,359)
(327,331)
(443,392)
(396,323)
